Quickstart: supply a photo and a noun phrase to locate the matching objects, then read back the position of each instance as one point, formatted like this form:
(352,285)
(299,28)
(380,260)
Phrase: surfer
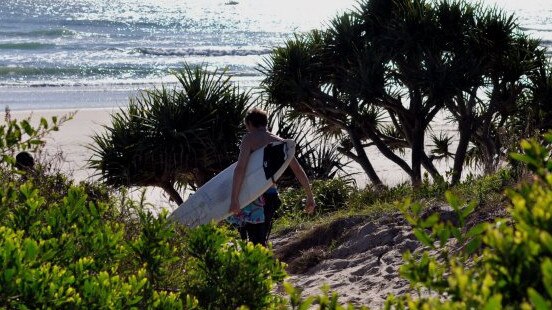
(255,220)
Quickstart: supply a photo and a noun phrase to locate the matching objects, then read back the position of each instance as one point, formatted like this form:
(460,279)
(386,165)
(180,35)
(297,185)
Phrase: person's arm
(304,180)
(239,173)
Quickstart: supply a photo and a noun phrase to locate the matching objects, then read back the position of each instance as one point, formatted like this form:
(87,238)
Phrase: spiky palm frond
(292,71)
(184,135)
(393,138)
(115,150)
(318,155)
(537,110)
(474,157)
(412,58)
(441,146)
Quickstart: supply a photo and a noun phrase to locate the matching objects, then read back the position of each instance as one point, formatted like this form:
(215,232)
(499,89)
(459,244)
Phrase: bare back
(257,139)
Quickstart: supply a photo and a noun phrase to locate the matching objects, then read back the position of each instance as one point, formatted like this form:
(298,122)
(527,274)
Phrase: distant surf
(40,33)
(208,52)
(134,44)
(25,46)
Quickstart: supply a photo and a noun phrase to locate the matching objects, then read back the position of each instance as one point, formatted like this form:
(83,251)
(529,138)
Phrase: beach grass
(371,203)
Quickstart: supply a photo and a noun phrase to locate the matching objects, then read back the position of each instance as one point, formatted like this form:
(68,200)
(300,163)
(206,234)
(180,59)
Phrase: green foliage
(330,195)
(485,189)
(225,273)
(336,198)
(379,75)
(514,266)
(75,253)
(372,195)
(67,255)
(183,135)
(153,248)
(23,135)
(79,247)
(317,154)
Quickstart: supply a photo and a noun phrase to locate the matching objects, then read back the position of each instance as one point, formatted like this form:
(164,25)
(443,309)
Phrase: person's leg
(243,232)
(272,203)
(256,233)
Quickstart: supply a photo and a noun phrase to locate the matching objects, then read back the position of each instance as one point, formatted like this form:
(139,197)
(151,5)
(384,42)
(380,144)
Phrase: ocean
(75,54)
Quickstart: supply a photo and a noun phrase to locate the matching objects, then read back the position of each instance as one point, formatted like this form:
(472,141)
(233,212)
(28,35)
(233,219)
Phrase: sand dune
(362,269)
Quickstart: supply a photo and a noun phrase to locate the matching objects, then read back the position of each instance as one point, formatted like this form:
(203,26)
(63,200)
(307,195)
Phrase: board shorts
(245,222)
(253,213)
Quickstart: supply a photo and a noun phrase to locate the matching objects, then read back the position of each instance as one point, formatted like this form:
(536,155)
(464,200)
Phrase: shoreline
(101,96)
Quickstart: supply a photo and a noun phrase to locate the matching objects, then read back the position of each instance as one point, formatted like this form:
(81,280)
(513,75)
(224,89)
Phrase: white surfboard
(212,200)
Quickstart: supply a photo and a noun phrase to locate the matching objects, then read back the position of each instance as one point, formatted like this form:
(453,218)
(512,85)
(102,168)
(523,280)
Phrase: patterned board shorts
(253,213)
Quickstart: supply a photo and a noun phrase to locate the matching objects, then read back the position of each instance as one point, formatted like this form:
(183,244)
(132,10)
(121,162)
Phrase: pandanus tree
(536,110)
(541,99)
(498,61)
(317,154)
(380,75)
(297,77)
(173,137)
(367,76)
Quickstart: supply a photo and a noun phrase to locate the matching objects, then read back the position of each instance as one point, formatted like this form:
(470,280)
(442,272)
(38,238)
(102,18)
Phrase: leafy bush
(330,195)
(78,254)
(67,246)
(225,273)
(514,269)
(21,135)
(372,195)
(481,187)
(66,255)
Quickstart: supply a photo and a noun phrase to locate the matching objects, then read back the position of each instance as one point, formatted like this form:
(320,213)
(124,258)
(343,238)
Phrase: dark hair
(256,118)
(24,161)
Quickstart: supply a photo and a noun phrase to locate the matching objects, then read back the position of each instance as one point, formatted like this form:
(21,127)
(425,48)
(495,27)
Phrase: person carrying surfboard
(255,220)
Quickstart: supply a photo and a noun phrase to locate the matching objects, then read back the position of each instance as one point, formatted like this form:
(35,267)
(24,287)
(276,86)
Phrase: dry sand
(362,268)
(359,257)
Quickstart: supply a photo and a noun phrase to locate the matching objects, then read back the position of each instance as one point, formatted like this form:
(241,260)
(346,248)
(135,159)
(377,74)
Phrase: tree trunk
(489,152)
(172,192)
(387,152)
(362,159)
(464,127)
(430,167)
(490,162)
(417,153)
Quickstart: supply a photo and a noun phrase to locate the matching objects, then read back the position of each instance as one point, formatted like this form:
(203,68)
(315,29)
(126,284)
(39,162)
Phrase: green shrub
(226,273)
(66,255)
(372,195)
(514,267)
(330,195)
(152,247)
(79,247)
(76,254)
(22,135)
(480,188)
